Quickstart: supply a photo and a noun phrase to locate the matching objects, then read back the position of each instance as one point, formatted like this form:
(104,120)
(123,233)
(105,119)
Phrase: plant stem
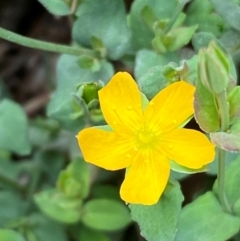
(74,6)
(224,117)
(11,182)
(223,110)
(221,180)
(37,44)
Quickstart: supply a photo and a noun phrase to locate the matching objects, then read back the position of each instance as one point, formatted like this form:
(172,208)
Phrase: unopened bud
(88,91)
(213,69)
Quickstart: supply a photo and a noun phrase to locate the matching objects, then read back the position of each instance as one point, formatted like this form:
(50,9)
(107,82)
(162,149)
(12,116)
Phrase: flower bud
(89,91)
(213,69)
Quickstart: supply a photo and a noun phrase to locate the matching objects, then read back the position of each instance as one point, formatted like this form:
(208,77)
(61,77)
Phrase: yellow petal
(188,148)
(105,149)
(145,180)
(120,102)
(170,107)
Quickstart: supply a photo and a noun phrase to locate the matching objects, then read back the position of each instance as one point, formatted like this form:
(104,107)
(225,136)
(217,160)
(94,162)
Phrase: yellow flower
(144,140)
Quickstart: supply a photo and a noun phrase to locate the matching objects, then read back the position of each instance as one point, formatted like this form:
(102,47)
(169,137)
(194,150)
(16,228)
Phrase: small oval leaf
(104,214)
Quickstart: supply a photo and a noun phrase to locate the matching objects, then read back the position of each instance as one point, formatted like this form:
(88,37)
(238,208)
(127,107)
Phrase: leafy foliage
(159,222)
(48,192)
(205,213)
(13,132)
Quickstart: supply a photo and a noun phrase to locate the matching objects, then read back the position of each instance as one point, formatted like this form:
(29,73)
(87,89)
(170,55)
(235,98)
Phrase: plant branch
(42,45)
(224,117)
(221,180)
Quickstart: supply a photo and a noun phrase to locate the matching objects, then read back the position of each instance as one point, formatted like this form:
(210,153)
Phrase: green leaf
(146,59)
(226,141)
(232,180)
(142,35)
(45,229)
(178,168)
(178,175)
(148,17)
(14,207)
(90,235)
(83,233)
(105,20)
(105,191)
(236,207)
(13,130)
(232,184)
(159,222)
(152,82)
(52,162)
(202,39)
(229,11)
(191,75)
(41,130)
(10,235)
(74,181)
(57,206)
(230,140)
(204,219)
(186,70)
(199,6)
(160,41)
(182,71)
(98,45)
(234,100)
(180,19)
(86,62)
(201,13)
(57,7)
(180,37)
(69,75)
(104,214)
(184,2)
(231,40)
(9,169)
(207,22)
(206,113)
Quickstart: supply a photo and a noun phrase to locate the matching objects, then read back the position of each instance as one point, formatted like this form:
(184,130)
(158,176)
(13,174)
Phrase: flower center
(145,137)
